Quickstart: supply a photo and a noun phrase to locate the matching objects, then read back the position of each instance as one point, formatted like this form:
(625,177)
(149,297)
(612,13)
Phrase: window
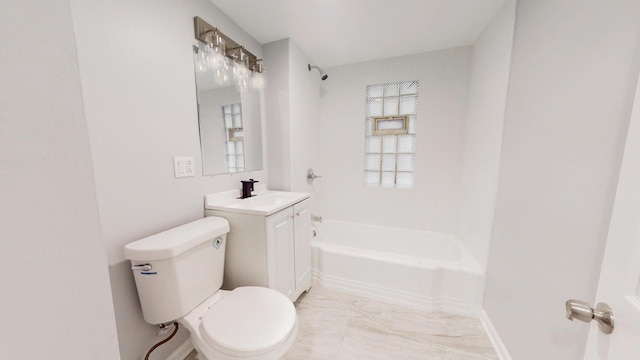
(232,115)
(390,136)
(390,125)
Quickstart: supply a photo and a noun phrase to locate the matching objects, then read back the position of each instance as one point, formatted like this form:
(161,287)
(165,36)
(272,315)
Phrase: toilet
(178,274)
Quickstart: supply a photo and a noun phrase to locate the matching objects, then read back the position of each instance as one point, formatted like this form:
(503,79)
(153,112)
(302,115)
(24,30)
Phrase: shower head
(323,75)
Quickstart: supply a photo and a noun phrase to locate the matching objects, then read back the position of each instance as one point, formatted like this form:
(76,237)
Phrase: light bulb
(240,75)
(257,81)
(202,60)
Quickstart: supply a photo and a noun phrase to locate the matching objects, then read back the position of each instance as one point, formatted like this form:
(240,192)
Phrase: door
(619,285)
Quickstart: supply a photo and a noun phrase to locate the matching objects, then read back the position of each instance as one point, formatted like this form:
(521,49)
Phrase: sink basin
(263,203)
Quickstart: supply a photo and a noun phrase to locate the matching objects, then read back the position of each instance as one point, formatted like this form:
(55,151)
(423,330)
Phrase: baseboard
(426,303)
(498,345)
(182,351)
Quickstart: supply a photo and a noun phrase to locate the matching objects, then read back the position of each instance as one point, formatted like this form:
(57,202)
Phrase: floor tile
(335,325)
(428,335)
(363,342)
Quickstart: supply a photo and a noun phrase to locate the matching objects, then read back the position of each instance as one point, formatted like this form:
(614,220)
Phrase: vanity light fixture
(228,56)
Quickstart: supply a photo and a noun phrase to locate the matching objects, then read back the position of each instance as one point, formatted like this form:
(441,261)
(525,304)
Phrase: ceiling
(339,32)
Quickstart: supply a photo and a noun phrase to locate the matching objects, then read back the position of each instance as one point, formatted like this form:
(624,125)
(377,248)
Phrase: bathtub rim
(470,305)
(465,261)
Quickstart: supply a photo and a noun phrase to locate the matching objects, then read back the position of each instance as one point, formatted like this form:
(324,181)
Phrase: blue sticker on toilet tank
(148,273)
(217,242)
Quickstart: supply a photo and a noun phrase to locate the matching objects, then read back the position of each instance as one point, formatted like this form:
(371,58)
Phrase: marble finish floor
(335,325)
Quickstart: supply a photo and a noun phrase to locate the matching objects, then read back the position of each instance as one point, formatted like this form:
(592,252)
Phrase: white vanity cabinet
(289,250)
(269,250)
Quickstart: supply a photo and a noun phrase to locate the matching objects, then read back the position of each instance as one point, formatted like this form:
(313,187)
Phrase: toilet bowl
(178,274)
(246,323)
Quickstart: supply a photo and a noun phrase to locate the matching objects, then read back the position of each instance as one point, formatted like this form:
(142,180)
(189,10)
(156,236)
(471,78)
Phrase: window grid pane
(404,180)
(412,124)
(372,178)
(368,127)
(372,162)
(390,159)
(407,144)
(408,104)
(373,144)
(388,179)
(409,87)
(390,144)
(234,147)
(390,106)
(391,89)
(375,91)
(374,107)
(405,162)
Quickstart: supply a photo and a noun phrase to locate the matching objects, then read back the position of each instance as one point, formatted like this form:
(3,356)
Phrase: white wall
(137,73)
(56,299)
(573,73)
(305,88)
(293,115)
(491,60)
(254,136)
(433,202)
(278,113)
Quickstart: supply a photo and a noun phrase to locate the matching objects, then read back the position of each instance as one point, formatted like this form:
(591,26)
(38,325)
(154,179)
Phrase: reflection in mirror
(234,132)
(229,120)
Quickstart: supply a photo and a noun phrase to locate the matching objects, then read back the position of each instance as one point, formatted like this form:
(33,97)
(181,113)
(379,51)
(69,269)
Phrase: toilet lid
(249,320)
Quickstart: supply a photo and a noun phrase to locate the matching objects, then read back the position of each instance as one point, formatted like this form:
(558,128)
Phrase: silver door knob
(582,311)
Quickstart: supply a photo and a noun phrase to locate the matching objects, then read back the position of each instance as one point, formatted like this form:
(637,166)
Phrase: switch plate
(183,166)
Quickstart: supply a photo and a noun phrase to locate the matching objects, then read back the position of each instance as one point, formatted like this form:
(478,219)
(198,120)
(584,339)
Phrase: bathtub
(419,269)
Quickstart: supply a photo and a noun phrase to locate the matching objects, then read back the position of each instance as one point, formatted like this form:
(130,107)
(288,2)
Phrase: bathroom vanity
(269,243)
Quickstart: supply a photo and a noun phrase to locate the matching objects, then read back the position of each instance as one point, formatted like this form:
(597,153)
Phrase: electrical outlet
(188,165)
(183,166)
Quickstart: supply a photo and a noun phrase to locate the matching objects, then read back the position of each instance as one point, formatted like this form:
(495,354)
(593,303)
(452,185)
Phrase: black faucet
(247,187)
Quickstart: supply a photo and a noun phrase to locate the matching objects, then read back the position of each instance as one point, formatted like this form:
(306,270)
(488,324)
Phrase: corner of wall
(496,341)
(491,62)
(277,114)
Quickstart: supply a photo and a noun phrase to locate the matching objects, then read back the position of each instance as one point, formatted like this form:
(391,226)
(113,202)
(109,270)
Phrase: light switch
(183,166)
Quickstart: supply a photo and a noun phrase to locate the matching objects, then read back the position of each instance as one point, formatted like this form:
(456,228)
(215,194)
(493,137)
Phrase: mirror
(230,124)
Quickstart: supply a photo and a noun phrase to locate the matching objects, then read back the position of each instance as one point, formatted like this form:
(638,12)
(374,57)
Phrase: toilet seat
(249,322)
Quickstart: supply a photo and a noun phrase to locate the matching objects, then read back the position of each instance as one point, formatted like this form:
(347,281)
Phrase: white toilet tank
(178,269)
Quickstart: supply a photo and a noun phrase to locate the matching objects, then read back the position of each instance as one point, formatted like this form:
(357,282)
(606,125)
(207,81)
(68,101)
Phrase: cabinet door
(280,252)
(302,246)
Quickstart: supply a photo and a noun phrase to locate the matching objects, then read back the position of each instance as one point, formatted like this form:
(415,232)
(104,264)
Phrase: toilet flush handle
(142,267)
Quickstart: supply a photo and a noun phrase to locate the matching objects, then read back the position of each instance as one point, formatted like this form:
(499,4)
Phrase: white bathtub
(419,269)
